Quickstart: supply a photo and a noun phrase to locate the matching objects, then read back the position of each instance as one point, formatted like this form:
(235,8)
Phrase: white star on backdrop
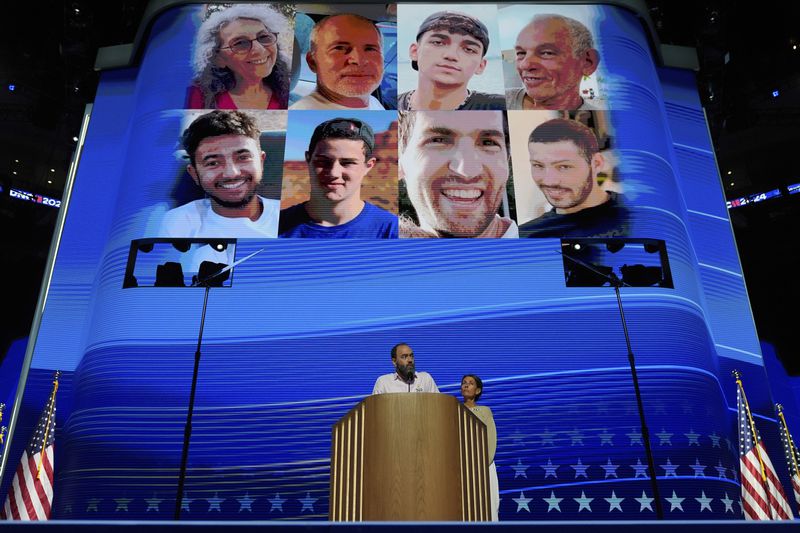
(214,503)
(553,502)
(693,438)
(640,469)
(580,469)
(522,502)
(550,469)
(276,503)
(699,470)
(669,468)
(520,469)
(308,502)
(645,502)
(547,437)
(606,438)
(728,503)
(122,504)
(614,502)
(246,503)
(153,503)
(675,502)
(705,503)
(664,438)
(635,436)
(583,502)
(611,469)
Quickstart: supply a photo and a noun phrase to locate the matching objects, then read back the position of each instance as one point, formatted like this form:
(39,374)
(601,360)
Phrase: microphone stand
(187,432)
(616,282)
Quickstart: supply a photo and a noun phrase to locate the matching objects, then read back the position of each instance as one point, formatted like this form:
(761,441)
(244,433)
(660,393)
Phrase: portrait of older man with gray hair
(346,54)
(552,54)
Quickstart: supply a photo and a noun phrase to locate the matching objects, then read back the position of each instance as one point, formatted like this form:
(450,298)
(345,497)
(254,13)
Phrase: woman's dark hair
(478,382)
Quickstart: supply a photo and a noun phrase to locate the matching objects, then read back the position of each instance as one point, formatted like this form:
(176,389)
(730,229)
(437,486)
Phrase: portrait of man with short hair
(346,184)
(226,166)
(454,169)
(572,176)
(450,66)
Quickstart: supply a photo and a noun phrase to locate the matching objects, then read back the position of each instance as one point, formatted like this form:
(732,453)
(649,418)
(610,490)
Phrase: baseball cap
(343,128)
(455,22)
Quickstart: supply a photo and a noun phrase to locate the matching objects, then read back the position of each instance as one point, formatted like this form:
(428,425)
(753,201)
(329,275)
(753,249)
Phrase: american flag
(792,455)
(30,495)
(762,494)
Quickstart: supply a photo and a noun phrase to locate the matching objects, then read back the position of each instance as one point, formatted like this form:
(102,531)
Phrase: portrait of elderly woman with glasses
(238,62)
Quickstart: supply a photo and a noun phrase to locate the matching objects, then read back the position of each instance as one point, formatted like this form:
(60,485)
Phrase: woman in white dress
(471,390)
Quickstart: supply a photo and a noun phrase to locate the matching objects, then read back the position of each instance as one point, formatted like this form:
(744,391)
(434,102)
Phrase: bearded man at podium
(404,378)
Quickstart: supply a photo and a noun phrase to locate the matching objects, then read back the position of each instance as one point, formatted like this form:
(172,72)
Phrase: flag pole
(756,438)
(50,412)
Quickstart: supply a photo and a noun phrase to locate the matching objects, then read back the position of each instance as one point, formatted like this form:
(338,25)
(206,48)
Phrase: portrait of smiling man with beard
(226,162)
(565,161)
(455,167)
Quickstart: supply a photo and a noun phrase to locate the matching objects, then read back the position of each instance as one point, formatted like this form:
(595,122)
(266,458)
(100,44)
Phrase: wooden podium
(417,456)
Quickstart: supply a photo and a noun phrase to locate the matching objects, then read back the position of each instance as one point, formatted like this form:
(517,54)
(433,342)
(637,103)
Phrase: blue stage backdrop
(307,325)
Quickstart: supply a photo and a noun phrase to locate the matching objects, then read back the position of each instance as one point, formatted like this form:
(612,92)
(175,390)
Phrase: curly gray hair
(214,80)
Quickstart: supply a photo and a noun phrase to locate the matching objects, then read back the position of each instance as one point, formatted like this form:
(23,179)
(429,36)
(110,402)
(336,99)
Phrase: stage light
(12,87)
(50,181)
(206,274)
(219,246)
(170,274)
(640,275)
(578,275)
(730,172)
(651,248)
(52,170)
(614,246)
(775,94)
(182,245)
(74,139)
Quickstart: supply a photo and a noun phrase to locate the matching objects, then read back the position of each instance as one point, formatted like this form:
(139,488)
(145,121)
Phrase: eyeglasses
(242,45)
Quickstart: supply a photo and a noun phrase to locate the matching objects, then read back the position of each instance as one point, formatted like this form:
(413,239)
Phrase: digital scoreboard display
(20,194)
(755,198)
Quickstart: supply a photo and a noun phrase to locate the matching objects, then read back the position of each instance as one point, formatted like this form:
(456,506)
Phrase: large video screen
(398,173)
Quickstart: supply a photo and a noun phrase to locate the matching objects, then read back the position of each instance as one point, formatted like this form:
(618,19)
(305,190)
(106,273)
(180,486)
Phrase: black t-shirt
(609,219)
(476,101)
